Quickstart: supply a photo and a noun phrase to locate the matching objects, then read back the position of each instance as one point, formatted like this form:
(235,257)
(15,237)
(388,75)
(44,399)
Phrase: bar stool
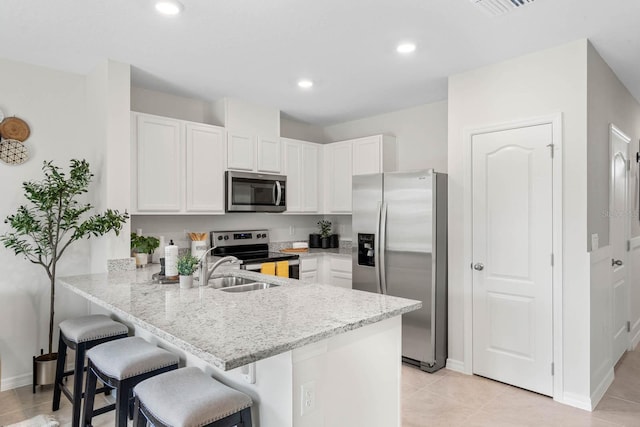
(189,398)
(81,334)
(121,365)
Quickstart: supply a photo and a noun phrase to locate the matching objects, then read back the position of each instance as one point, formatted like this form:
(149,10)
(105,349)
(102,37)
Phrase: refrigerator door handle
(376,245)
(382,247)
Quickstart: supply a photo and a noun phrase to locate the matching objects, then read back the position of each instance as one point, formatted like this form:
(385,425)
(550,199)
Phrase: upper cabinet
(374,154)
(338,160)
(177,166)
(301,165)
(253,153)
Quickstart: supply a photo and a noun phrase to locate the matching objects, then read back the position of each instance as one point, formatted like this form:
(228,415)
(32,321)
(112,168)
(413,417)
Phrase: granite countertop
(227,329)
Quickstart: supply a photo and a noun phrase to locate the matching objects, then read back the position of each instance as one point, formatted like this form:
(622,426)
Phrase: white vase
(141,259)
(186,281)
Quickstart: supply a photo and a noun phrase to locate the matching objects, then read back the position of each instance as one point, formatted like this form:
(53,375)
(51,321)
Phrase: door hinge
(628,245)
(628,326)
(551,147)
(551,260)
(552,369)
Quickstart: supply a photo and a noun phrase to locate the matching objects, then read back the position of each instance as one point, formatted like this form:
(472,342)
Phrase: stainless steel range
(252,248)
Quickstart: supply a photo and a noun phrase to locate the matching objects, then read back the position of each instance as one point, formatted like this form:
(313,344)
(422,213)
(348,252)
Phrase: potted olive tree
(187,264)
(43,229)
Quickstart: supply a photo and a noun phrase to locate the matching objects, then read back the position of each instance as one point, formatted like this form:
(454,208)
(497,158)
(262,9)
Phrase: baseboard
(577,401)
(601,389)
(17,381)
(455,365)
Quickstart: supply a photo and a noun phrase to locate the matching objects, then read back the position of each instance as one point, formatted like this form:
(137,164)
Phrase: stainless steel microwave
(255,192)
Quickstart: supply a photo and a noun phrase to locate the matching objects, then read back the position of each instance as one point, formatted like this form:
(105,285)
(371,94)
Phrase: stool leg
(78,374)
(89,396)
(62,358)
(122,404)
(139,420)
(245,417)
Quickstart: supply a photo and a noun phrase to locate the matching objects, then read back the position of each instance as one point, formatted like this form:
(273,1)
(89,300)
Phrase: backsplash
(282,228)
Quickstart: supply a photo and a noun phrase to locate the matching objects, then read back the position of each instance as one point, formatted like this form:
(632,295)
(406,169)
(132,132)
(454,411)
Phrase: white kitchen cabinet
(374,154)
(301,161)
(253,153)
(338,271)
(338,160)
(157,158)
(205,148)
(309,268)
(177,166)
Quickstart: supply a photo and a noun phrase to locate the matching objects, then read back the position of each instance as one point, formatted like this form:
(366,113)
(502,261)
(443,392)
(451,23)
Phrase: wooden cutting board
(294,250)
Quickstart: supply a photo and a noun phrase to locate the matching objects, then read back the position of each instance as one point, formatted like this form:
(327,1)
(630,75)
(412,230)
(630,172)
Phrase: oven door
(253,192)
(294,268)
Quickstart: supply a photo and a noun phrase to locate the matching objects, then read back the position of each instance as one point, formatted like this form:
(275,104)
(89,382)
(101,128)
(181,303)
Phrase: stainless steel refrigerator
(400,248)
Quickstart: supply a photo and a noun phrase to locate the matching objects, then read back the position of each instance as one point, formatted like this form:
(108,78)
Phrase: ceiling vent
(500,7)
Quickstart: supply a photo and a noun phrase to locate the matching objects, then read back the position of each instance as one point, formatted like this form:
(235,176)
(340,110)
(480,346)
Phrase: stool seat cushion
(188,397)
(129,357)
(92,327)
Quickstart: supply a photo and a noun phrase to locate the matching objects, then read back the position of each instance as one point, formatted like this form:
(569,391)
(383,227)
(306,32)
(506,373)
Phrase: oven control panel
(235,238)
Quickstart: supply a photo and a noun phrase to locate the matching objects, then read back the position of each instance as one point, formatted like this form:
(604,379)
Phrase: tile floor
(445,398)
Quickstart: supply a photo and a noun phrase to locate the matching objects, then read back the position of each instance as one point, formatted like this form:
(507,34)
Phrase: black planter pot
(325,241)
(314,241)
(334,241)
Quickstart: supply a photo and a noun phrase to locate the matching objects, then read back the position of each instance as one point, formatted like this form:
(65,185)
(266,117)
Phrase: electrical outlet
(307,397)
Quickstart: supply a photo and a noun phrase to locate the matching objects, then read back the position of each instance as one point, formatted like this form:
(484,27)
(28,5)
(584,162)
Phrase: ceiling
(256,50)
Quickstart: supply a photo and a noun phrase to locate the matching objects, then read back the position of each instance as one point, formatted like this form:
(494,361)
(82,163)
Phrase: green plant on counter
(187,265)
(325,227)
(144,244)
(43,231)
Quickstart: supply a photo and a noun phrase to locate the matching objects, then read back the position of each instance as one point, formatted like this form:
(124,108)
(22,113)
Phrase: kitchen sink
(249,287)
(227,281)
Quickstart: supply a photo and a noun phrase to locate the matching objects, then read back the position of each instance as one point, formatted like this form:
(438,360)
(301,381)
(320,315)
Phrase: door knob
(615,262)
(478,266)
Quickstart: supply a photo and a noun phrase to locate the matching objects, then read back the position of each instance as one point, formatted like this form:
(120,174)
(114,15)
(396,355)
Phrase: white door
(618,236)
(512,257)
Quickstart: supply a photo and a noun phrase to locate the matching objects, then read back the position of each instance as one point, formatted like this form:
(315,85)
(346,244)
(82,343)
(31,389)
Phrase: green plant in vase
(325,232)
(142,247)
(52,220)
(187,265)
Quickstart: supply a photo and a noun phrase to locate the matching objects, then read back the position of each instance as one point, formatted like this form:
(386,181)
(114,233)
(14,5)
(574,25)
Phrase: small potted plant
(187,264)
(325,232)
(142,248)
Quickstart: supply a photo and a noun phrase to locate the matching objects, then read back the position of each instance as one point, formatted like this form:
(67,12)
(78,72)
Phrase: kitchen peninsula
(308,354)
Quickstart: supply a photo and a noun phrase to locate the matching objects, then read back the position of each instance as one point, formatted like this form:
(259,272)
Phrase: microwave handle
(277,189)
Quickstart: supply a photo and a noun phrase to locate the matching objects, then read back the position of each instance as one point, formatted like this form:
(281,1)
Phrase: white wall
(538,84)
(421,134)
(290,128)
(177,107)
(610,102)
(53,103)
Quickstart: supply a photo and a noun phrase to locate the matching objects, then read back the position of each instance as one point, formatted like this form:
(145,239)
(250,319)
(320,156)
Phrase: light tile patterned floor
(445,398)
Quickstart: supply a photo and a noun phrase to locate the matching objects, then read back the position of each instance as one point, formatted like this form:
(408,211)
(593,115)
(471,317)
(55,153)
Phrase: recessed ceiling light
(406,48)
(305,83)
(169,7)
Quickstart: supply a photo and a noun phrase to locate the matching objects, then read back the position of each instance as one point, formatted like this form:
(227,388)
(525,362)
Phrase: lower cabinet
(328,269)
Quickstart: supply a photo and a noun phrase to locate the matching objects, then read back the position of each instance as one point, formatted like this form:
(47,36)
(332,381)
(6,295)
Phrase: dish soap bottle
(171,261)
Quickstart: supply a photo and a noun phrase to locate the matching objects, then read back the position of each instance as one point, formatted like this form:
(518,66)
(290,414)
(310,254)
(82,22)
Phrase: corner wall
(539,84)
(53,104)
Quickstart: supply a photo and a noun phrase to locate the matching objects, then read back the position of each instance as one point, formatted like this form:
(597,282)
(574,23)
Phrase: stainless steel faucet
(206,271)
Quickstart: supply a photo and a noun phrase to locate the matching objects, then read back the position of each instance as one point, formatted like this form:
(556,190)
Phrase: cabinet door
(310,178)
(205,168)
(293,171)
(269,155)
(340,279)
(366,155)
(158,164)
(309,275)
(339,168)
(340,272)
(241,152)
